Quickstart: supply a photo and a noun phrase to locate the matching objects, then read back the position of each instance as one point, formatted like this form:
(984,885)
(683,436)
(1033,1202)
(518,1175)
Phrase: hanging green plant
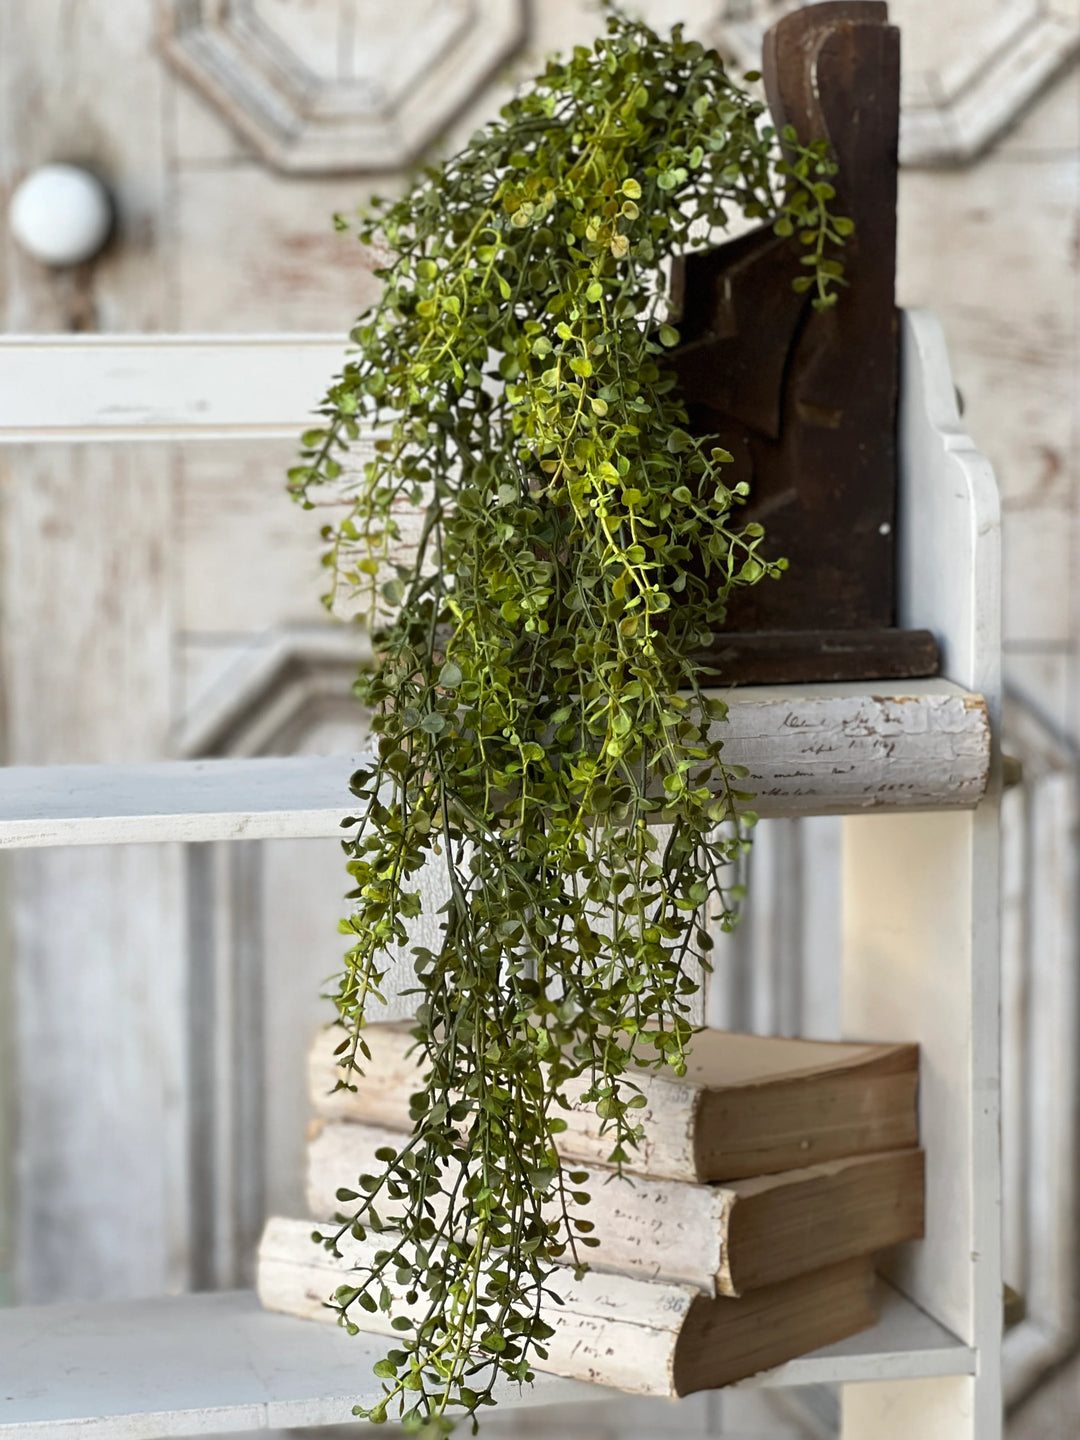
(540,725)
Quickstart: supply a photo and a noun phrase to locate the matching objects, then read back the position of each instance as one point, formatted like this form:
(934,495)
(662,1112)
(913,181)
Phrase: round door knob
(61,214)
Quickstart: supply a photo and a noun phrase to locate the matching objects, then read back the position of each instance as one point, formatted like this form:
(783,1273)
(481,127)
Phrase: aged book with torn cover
(637,1335)
(722,1239)
(749,1105)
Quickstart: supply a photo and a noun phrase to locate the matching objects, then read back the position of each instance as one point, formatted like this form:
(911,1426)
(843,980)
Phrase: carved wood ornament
(978,70)
(337,86)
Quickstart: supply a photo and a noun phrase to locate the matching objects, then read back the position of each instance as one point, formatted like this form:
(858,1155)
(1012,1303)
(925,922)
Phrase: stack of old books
(770,1177)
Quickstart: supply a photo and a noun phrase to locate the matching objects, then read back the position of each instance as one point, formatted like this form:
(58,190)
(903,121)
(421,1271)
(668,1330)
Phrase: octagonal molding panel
(970,67)
(278,691)
(328,86)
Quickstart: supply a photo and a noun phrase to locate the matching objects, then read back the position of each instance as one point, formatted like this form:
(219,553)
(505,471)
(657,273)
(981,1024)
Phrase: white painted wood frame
(1040,1082)
(124,388)
(920,923)
(920,961)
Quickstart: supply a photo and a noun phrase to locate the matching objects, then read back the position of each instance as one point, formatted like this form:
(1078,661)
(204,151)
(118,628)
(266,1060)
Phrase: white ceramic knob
(61,214)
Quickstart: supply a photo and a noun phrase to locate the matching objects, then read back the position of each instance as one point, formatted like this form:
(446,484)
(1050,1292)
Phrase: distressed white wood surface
(966,75)
(208,1363)
(185,800)
(94,942)
(841,748)
(98,941)
(233,516)
(920,922)
(162,387)
(319,92)
(813,749)
(60,99)
(1041,824)
(190,1365)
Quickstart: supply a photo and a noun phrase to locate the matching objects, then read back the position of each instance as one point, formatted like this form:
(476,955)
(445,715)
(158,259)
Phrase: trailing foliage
(541,731)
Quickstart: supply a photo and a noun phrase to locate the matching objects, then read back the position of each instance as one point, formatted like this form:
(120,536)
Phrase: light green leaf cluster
(538,710)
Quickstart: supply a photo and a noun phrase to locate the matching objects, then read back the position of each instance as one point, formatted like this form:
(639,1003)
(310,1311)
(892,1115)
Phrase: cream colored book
(722,1239)
(749,1105)
(636,1335)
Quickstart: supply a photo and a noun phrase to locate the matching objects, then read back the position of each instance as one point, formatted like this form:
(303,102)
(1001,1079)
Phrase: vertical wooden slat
(99,973)
(101,1209)
(1048,1188)
(777,972)
(921,942)
(7,1090)
(1015,1151)
(226,1052)
(86,673)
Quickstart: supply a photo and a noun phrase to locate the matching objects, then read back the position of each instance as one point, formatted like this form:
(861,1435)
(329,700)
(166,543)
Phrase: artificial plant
(540,727)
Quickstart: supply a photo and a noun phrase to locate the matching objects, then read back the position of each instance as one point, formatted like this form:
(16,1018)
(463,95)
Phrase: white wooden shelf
(848,748)
(199,1364)
(824,749)
(186,800)
(919,943)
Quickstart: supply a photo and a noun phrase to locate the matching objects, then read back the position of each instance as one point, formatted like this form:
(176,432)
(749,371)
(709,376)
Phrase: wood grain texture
(1008,308)
(254,798)
(920,929)
(204,1364)
(970,72)
(140,388)
(805,401)
(60,100)
(1004,291)
(288,268)
(227,494)
(324,91)
(98,978)
(101,1163)
(1023,345)
(777,657)
(86,675)
(87,603)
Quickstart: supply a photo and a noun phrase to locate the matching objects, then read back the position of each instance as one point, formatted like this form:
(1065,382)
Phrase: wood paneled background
(154,1004)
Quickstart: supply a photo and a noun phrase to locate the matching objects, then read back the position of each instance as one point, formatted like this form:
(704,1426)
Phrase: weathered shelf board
(810,750)
(162,387)
(199,1364)
(847,747)
(186,800)
(190,1365)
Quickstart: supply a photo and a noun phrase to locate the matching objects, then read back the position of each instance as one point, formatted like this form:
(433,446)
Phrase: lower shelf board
(207,1364)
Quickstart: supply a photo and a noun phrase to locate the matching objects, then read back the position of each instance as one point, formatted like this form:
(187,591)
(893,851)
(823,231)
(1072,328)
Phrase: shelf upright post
(920,923)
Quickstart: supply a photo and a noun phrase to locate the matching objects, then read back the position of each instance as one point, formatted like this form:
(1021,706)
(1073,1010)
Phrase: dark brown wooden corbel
(806,400)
